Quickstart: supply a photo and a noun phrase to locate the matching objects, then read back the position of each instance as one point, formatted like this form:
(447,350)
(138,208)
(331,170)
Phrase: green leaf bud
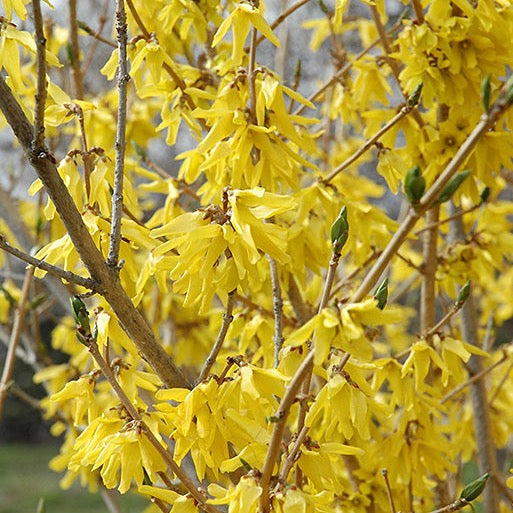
(485,92)
(245,464)
(80,314)
(414,97)
(463,295)
(474,489)
(340,231)
(452,186)
(485,194)
(414,184)
(381,294)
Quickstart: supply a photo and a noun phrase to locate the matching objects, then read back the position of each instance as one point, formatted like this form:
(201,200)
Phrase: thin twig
(336,77)
(410,263)
(172,73)
(97,37)
(261,310)
(10,358)
(293,455)
(132,411)
(384,473)
(345,69)
(52,269)
(347,279)
(87,157)
(279,20)
(75,50)
(419,13)
(447,219)
(277,309)
(500,385)
(218,344)
(446,318)
(453,506)
(394,66)
(40,98)
(429,266)
(252,74)
(119,170)
(328,284)
(110,499)
(302,310)
(404,111)
(473,379)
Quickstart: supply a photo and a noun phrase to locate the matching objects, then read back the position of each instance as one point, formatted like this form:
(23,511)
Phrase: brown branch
(218,344)
(375,254)
(279,20)
(302,311)
(119,170)
(336,77)
(14,339)
(171,72)
(473,379)
(88,283)
(75,51)
(293,455)
(384,473)
(419,13)
(500,385)
(453,506)
(345,69)
(252,75)
(404,111)
(40,98)
(130,318)
(486,453)
(428,333)
(429,266)
(447,219)
(87,157)
(277,309)
(97,37)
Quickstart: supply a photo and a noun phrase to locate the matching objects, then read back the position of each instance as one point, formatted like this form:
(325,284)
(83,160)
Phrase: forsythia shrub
(260,332)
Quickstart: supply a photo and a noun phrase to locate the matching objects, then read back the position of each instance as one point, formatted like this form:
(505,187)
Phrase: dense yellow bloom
(226,251)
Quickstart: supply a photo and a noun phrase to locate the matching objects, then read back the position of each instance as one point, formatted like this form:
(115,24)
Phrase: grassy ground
(25,478)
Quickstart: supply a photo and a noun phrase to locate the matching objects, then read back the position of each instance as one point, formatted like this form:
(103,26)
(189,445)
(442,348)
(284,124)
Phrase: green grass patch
(25,478)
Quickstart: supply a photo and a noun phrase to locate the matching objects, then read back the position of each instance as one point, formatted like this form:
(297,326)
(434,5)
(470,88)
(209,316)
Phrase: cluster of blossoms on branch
(259,332)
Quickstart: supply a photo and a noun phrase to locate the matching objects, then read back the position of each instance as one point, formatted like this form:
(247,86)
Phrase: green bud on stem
(485,93)
(452,186)
(340,231)
(414,97)
(463,295)
(381,294)
(414,185)
(474,489)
